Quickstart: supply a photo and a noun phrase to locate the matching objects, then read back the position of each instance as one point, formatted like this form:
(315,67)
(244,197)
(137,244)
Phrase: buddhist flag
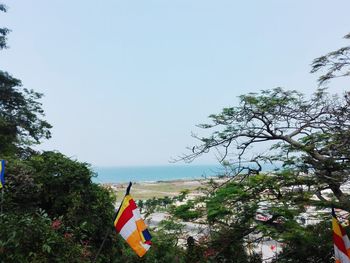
(341,241)
(131,227)
(2,173)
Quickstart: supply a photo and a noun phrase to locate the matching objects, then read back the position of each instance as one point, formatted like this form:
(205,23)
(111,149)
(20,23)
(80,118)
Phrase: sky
(126,82)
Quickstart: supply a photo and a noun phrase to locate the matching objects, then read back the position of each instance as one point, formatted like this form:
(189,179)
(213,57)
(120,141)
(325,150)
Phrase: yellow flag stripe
(336,228)
(124,205)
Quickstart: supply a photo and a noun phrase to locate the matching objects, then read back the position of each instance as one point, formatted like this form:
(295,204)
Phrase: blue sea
(160,173)
(154,173)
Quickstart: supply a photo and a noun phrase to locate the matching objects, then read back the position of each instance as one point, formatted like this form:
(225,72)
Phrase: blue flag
(2,173)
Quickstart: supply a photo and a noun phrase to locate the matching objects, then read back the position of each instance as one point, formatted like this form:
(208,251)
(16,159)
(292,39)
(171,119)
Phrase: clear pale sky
(125,82)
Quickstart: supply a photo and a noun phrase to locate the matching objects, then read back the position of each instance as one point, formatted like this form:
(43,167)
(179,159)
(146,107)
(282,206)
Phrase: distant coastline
(123,174)
(154,173)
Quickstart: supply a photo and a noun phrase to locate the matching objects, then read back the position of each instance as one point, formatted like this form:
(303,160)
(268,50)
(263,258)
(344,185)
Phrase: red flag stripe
(125,216)
(339,242)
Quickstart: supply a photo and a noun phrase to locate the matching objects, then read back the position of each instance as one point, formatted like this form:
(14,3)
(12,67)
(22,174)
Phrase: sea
(159,173)
(154,173)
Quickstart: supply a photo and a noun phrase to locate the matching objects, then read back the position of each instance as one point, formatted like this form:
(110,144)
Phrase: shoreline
(117,175)
(161,188)
(202,178)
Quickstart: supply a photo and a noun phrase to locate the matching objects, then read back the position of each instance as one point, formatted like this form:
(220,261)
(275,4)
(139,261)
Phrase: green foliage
(307,136)
(3,31)
(310,244)
(334,64)
(20,117)
(165,244)
(33,238)
(227,247)
(63,189)
(186,211)
(161,204)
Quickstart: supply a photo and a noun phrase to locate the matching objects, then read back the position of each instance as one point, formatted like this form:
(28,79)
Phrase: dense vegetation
(52,211)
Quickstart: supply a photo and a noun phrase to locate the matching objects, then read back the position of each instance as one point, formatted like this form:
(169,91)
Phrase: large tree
(307,139)
(308,135)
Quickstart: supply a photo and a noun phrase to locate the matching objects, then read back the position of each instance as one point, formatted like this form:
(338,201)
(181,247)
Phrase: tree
(3,31)
(310,136)
(307,140)
(20,116)
(335,64)
(21,122)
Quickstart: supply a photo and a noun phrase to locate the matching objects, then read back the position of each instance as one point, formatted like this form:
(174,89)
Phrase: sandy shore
(159,189)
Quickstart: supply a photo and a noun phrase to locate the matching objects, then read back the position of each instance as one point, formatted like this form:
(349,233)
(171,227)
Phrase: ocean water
(162,173)
(154,173)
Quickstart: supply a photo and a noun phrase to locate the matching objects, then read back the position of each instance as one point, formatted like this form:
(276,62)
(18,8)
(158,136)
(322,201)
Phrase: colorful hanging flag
(129,224)
(2,173)
(341,241)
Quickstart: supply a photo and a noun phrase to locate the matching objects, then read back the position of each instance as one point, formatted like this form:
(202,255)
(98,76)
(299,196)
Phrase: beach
(158,189)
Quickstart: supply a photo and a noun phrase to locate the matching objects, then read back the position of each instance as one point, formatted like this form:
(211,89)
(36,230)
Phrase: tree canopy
(306,140)
(310,136)
(334,64)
